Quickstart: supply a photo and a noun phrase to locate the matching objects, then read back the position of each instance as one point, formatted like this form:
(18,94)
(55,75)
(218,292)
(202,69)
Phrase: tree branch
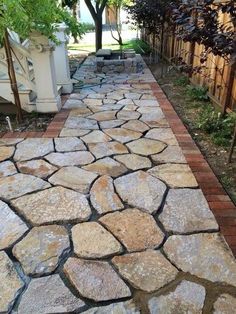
(91,9)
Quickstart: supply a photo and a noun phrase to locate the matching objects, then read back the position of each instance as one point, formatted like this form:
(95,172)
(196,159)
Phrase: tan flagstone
(7,168)
(96,136)
(100,150)
(145,146)
(68,144)
(133,161)
(70,159)
(136,125)
(225,304)
(6,152)
(103,116)
(107,166)
(162,134)
(123,135)
(39,168)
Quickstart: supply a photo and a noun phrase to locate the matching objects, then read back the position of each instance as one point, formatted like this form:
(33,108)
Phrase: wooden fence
(218,76)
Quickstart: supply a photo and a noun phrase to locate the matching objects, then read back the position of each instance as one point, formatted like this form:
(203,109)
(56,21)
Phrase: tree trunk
(12,77)
(74,12)
(98,31)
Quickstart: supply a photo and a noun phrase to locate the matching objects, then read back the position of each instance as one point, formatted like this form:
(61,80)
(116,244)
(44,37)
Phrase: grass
(138,45)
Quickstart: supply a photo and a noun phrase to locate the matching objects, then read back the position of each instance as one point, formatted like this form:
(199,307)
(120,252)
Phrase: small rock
(103,196)
(11,226)
(136,230)
(73,178)
(100,150)
(175,175)
(123,135)
(95,280)
(145,146)
(91,240)
(33,148)
(188,297)
(134,162)
(147,271)
(107,166)
(118,308)
(20,184)
(6,152)
(38,168)
(141,190)
(205,255)
(69,144)
(225,304)
(53,205)
(136,125)
(70,159)
(186,210)
(11,284)
(7,168)
(162,134)
(48,295)
(96,137)
(41,249)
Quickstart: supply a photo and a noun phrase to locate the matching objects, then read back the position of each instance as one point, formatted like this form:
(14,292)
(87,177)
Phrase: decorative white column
(41,50)
(61,61)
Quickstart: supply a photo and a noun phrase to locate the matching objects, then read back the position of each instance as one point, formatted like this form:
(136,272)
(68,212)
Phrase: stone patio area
(108,218)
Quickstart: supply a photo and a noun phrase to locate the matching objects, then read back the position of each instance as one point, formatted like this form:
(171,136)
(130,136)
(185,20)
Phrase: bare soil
(188,111)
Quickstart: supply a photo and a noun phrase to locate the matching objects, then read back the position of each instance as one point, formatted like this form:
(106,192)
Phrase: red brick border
(218,200)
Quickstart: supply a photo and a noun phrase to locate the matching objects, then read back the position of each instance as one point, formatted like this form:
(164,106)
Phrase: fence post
(61,61)
(41,50)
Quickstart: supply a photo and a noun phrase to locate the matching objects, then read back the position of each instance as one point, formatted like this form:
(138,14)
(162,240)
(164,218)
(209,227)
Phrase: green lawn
(138,45)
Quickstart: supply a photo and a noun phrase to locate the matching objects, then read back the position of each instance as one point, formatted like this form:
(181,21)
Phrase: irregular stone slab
(10,141)
(53,205)
(7,168)
(186,210)
(175,175)
(134,162)
(97,96)
(123,135)
(6,152)
(146,103)
(136,125)
(33,148)
(107,166)
(108,106)
(148,97)
(77,96)
(103,116)
(147,271)
(155,119)
(91,240)
(73,132)
(80,112)
(107,149)
(125,102)
(128,115)
(130,107)
(70,159)
(73,178)
(133,96)
(225,304)
(115,95)
(68,144)
(73,103)
(81,123)
(20,184)
(103,196)
(205,255)
(48,295)
(111,124)
(136,230)
(188,297)
(120,308)
(95,102)
(95,280)
(145,146)
(162,134)
(11,226)
(141,190)
(96,137)
(172,154)
(11,284)
(38,168)
(41,249)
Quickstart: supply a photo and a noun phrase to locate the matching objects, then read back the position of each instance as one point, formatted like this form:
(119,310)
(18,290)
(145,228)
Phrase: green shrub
(182,81)
(197,92)
(219,126)
(88,27)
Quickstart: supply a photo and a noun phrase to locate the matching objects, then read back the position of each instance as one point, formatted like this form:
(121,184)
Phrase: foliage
(89,27)
(197,92)
(182,81)
(199,22)
(219,126)
(25,16)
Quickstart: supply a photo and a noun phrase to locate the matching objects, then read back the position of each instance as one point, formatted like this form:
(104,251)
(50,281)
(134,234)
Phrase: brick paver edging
(218,200)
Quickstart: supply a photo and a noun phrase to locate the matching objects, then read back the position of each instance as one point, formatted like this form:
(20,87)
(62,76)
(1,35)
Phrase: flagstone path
(108,217)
